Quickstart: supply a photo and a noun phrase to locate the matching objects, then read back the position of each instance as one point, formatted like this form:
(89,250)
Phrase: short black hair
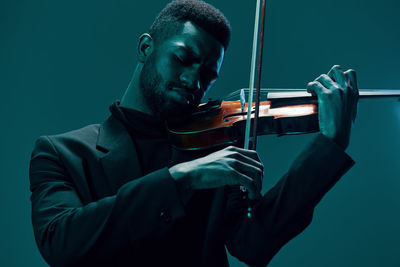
(202,14)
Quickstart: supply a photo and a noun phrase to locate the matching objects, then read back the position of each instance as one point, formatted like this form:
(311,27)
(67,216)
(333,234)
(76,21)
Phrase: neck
(133,97)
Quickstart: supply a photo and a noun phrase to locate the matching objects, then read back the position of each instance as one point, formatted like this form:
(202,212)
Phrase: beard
(155,92)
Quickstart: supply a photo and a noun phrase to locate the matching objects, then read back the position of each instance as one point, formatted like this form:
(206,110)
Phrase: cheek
(168,71)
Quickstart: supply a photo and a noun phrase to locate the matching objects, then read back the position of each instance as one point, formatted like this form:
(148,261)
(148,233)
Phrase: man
(118,194)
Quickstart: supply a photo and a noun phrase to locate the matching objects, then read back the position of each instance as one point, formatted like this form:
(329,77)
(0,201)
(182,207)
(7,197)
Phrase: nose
(191,79)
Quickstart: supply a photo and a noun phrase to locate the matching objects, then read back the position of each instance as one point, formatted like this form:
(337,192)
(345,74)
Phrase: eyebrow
(188,49)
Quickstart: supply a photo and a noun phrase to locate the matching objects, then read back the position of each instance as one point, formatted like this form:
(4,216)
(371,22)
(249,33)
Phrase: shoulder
(87,134)
(83,139)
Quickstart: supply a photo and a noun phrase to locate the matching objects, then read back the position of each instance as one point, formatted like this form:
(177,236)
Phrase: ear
(145,46)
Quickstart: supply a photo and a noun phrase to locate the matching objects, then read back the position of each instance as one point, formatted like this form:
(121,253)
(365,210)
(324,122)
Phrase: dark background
(63,62)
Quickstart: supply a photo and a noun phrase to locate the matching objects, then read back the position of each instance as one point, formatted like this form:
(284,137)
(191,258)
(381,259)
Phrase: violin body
(223,123)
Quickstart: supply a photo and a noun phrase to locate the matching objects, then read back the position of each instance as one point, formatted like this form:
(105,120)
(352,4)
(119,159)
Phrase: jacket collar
(119,160)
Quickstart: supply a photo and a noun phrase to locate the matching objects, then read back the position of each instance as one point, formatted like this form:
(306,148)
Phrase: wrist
(182,178)
(180,174)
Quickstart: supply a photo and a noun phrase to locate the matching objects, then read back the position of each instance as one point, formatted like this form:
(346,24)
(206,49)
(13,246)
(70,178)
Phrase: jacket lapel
(119,160)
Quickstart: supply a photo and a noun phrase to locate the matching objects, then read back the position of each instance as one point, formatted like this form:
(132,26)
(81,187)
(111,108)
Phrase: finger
(247,182)
(352,77)
(327,82)
(248,156)
(315,87)
(249,167)
(247,152)
(337,74)
(249,171)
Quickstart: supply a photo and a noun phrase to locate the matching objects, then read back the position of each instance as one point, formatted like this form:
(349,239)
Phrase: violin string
(273,93)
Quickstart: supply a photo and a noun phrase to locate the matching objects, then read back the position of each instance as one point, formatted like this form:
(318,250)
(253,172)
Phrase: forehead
(193,39)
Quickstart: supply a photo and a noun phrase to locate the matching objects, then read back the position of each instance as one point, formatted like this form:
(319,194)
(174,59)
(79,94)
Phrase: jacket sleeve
(68,232)
(286,209)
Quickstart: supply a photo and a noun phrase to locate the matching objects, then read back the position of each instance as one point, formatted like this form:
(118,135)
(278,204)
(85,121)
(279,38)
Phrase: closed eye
(182,60)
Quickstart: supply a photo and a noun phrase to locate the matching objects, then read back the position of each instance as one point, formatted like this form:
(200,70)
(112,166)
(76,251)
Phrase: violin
(221,123)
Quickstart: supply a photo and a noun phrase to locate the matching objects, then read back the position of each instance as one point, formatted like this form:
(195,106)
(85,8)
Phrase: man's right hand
(229,166)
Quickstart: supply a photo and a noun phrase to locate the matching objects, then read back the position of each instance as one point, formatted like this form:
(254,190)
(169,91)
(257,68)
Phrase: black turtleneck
(150,137)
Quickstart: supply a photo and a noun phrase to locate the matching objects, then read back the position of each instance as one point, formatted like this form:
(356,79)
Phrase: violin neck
(275,93)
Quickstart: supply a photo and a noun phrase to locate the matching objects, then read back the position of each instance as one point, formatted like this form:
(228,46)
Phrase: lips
(184,93)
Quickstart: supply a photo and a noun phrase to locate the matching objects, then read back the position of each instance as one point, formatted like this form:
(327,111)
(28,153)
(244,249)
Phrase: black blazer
(91,205)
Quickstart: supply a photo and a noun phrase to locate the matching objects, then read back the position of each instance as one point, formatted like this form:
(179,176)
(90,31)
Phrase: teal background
(63,62)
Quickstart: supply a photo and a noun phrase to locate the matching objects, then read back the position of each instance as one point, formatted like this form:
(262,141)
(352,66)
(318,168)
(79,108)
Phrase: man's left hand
(337,94)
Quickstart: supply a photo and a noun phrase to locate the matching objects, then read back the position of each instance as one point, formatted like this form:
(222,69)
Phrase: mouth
(181,95)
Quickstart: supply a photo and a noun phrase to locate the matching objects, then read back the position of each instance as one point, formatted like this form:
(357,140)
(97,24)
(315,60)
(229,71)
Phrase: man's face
(180,70)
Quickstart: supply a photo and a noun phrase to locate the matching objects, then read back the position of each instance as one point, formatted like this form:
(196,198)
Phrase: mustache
(186,88)
(190,93)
